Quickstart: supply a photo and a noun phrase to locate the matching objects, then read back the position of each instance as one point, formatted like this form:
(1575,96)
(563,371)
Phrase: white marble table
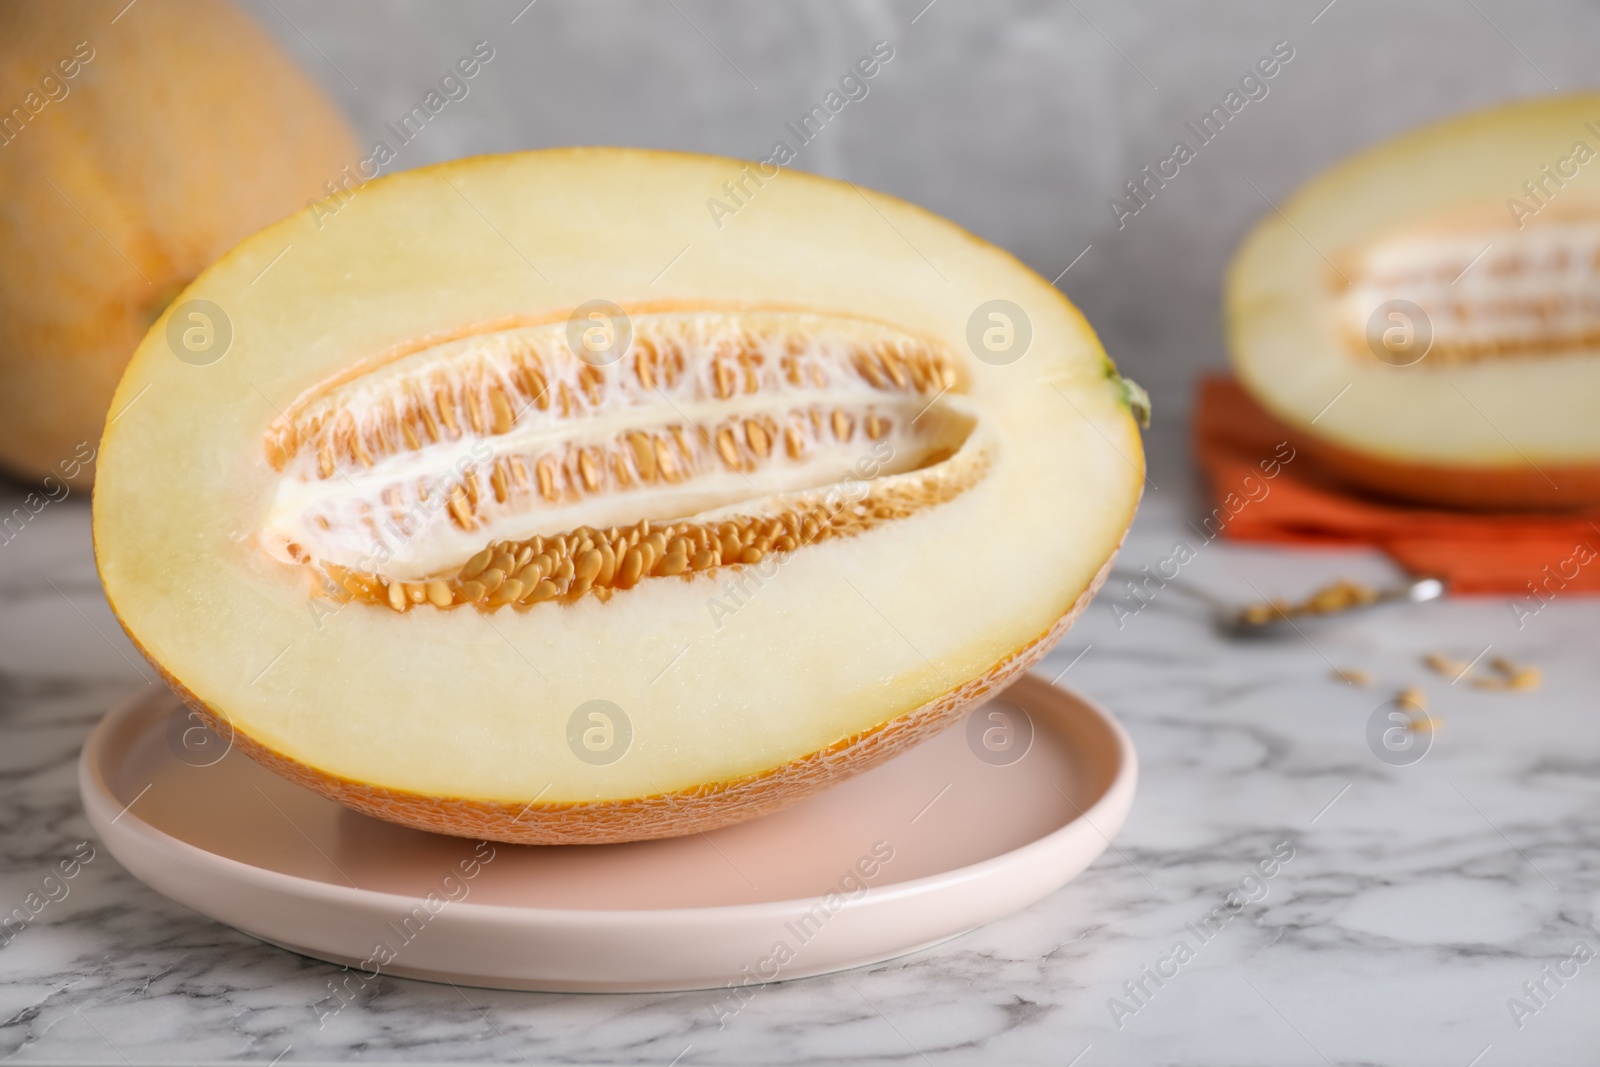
(1419,900)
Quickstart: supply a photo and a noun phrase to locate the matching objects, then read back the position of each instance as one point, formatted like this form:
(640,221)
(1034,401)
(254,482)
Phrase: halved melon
(1428,312)
(527,505)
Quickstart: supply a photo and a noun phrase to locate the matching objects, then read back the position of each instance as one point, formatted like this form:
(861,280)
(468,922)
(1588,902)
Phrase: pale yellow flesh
(846,636)
(1512,381)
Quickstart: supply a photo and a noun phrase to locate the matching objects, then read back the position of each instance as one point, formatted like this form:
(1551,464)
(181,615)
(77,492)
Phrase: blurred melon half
(137,144)
(1428,311)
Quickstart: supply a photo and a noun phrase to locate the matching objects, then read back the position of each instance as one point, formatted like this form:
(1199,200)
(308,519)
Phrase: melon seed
(476,565)
(588,565)
(632,567)
(510,590)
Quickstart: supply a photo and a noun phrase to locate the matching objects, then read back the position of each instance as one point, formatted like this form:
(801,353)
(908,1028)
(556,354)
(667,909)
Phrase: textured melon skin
(152,530)
(186,131)
(1514,433)
(673,814)
(1548,489)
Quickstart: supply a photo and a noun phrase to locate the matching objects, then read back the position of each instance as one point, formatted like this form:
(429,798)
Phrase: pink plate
(979,822)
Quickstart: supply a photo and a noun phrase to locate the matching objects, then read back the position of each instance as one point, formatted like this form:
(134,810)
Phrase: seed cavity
(589,561)
(1484,290)
(496,468)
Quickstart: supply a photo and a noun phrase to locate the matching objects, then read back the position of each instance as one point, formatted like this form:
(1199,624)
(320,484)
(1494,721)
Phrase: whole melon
(137,144)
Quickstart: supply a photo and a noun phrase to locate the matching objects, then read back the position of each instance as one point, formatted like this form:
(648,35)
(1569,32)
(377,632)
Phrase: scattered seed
(1524,679)
(1527,678)
(1510,675)
(1353,676)
(1439,663)
(1412,699)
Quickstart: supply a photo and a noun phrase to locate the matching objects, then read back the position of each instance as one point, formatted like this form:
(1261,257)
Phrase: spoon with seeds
(1271,618)
(1339,598)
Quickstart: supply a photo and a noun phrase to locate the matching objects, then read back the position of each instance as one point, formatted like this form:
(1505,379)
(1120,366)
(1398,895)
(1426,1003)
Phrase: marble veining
(1421,904)
(1417,903)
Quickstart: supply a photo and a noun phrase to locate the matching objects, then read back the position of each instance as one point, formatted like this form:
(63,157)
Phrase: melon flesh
(1489,226)
(873,528)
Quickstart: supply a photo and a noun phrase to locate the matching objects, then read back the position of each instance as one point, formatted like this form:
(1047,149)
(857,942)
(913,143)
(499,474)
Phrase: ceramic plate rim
(99,802)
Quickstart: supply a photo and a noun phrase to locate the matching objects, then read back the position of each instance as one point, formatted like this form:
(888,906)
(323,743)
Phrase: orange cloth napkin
(1535,557)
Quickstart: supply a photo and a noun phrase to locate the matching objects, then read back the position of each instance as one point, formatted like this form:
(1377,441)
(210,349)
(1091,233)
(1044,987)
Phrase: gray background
(1421,898)
(1016,119)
